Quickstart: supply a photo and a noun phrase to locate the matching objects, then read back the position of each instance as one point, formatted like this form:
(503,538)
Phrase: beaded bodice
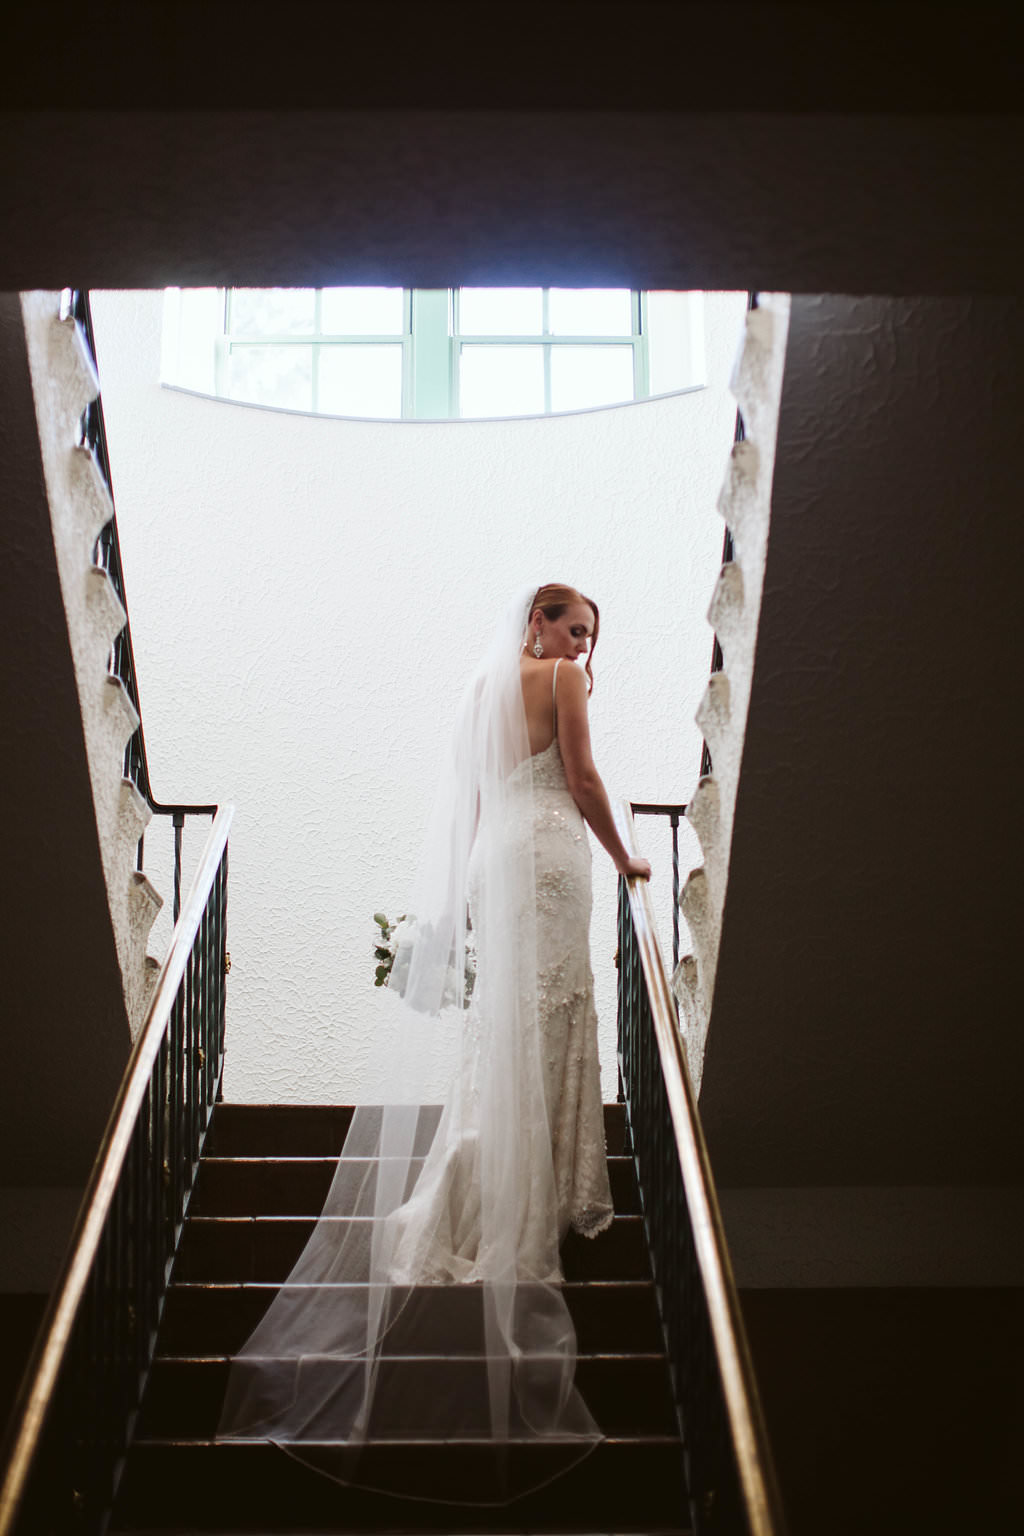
(548,768)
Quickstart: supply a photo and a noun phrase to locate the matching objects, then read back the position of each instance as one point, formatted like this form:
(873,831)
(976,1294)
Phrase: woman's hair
(554,599)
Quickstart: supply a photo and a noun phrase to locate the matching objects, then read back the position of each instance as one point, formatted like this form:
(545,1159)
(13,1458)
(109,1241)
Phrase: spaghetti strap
(554,698)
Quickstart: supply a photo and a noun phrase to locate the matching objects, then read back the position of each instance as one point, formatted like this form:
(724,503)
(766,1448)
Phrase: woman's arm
(585,783)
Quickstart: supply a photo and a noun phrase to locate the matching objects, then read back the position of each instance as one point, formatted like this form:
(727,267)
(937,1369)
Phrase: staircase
(65,388)
(262,1183)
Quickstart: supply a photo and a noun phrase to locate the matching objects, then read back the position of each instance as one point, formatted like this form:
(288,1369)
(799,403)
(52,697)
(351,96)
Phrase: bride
(427,1305)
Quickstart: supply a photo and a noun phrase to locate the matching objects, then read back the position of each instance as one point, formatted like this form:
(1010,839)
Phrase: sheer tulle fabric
(427,1303)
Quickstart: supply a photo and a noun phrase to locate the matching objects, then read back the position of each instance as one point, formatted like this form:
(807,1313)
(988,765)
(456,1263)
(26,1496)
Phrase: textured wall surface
(745,503)
(307,596)
(866,1019)
(63,383)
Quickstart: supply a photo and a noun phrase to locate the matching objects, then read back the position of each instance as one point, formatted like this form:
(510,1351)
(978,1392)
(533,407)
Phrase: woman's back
(538,678)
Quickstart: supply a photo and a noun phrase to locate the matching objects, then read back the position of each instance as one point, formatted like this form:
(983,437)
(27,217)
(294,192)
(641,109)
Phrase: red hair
(554,599)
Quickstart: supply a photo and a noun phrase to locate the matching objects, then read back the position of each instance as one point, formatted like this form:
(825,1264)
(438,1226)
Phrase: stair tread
(258,1245)
(299,1218)
(454,1442)
(322,1127)
(238,1107)
(628,1394)
(218,1316)
(287,1185)
(593,1354)
(274,1286)
(321,1158)
(261,1158)
(620,1484)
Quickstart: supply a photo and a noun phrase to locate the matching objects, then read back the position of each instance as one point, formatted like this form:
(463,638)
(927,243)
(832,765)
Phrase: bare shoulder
(571,684)
(536,672)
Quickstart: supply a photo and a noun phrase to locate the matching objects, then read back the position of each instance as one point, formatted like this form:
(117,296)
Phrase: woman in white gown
(427,1304)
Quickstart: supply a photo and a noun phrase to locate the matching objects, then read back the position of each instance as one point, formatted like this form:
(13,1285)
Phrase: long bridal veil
(427,1303)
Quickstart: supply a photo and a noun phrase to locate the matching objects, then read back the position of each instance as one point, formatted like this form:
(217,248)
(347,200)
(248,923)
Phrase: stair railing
(81,1393)
(674,814)
(74,305)
(730,1478)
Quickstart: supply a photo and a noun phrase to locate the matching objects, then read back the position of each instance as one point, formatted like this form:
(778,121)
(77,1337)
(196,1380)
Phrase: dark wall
(846,148)
(897,203)
(866,1020)
(675,55)
(893,1412)
(20,1316)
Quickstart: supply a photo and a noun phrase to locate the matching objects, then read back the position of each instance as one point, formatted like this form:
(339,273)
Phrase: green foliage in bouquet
(385,948)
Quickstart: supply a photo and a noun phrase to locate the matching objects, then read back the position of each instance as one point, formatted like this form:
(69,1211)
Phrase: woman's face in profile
(570,635)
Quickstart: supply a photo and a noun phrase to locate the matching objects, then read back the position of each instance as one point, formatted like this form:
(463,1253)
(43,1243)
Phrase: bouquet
(401,934)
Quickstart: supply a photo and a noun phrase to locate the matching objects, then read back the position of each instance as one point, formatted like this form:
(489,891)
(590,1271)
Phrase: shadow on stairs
(262,1184)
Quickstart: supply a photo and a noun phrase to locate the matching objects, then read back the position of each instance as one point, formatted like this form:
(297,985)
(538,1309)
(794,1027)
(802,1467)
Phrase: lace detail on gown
(566,1011)
(437,1236)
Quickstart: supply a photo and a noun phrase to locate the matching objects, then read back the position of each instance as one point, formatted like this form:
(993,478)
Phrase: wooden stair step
(628,1395)
(613,1316)
(319,1130)
(262,1183)
(298,1186)
(266,1248)
(622,1485)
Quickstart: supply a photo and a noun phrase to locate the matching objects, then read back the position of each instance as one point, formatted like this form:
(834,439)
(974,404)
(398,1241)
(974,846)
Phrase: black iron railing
(730,1482)
(82,1390)
(92,436)
(674,814)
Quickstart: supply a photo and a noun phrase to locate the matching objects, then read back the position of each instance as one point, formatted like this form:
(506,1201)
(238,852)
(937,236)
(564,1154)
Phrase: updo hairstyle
(553,600)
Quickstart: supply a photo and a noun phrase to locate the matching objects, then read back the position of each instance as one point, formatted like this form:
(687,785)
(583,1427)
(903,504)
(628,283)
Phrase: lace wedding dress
(428,1304)
(438,1232)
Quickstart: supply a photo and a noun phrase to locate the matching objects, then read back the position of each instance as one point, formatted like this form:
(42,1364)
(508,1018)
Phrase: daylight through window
(433,354)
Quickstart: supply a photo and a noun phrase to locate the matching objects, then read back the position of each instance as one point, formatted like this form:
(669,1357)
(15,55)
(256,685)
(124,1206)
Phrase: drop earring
(538,649)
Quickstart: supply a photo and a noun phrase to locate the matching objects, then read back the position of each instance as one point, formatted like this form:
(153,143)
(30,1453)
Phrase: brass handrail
(41,1376)
(739,1386)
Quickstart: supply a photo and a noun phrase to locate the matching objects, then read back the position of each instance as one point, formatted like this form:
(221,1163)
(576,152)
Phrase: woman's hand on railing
(636,869)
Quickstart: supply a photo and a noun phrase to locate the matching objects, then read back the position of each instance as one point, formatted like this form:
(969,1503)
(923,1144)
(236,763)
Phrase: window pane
(590,312)
(193,323)
(584,376)
(675,347)
(361,381)
(501,381)
(272,311)
(501,311)
(271,376)
(362,312)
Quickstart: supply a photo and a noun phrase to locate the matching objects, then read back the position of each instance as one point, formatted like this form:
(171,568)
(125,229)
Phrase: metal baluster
(674,814)
(161,1169)
(675,889)
(222,968)
(712,1474)
(84,1384)
(190,1062)
(178,822)
(175,1070)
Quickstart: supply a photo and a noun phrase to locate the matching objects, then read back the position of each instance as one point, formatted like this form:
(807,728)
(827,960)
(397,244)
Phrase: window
(433,353)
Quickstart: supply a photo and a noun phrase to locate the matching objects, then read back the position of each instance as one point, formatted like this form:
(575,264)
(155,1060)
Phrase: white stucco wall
(306,597)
